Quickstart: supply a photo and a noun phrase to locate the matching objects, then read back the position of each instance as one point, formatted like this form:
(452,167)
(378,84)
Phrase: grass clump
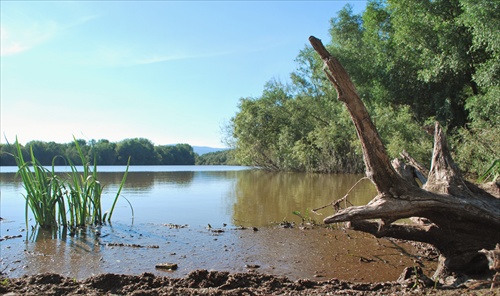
(74,201)
(492,173)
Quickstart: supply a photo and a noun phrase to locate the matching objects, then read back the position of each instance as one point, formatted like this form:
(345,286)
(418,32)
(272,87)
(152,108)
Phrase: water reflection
(10,180)
(77,256)
(240,197)
(264,197)
(197,197)
(147,180)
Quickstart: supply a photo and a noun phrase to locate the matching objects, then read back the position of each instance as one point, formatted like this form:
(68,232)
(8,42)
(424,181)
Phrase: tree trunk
(463,219)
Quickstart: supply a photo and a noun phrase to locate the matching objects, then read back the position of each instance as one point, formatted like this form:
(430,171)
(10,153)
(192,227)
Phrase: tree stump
(464,218)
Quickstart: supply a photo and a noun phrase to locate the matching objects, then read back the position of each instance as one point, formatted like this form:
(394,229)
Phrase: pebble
(168,266)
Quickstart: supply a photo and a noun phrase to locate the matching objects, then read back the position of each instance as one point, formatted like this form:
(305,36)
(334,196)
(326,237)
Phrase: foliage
(281,132)
(74,201)
(224,157)
(477,144)
(400,131)
(413,62)
(492,173)
(106,152)
(44,191)
(141,152)
(179,154)
(476,148)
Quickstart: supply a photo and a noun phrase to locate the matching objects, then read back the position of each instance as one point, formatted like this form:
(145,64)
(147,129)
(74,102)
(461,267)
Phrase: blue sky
(168,71)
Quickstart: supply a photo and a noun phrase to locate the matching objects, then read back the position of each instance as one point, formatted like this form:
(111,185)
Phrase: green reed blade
(74,201)
(119,191)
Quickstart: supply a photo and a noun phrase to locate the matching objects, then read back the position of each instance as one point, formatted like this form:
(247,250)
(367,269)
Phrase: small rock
(252,266)
(167,266)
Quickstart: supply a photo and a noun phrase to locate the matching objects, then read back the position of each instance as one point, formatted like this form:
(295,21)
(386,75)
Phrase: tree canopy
(140,150)
(413,62)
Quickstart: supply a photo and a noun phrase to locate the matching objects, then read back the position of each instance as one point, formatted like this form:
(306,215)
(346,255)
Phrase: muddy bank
(202,282)
(313,253)
(267,261)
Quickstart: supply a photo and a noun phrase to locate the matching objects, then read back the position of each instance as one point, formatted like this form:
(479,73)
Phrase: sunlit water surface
(228,218)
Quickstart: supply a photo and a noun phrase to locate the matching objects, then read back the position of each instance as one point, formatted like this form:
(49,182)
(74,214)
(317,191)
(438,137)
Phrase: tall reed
(44,191)
(74,201)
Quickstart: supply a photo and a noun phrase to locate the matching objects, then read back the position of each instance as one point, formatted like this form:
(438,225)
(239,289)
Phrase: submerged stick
(336,204)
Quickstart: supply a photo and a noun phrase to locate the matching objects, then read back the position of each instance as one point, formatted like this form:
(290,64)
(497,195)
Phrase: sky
(168,71)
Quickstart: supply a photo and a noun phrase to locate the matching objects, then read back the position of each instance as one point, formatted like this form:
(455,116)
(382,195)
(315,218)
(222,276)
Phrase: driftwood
(462,218)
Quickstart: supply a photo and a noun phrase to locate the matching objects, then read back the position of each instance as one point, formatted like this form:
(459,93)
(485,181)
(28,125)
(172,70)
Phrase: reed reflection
(53,250)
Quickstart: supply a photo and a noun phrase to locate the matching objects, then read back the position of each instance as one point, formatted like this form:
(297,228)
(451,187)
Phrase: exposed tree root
(463,218)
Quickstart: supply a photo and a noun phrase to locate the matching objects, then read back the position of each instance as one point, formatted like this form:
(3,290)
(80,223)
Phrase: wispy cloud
(159,59)
(174,57)
(8,47)
(123,56)
(15,39)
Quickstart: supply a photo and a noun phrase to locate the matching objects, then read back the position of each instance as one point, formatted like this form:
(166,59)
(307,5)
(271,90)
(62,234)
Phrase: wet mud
(169,259)
(295,252)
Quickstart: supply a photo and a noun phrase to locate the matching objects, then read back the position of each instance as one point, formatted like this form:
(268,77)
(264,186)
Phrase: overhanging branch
(378,165)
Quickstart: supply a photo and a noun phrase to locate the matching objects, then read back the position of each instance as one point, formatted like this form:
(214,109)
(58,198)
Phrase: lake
(205,217)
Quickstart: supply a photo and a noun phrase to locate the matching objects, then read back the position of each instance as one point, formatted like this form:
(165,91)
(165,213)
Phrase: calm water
(201,195)
(196,196)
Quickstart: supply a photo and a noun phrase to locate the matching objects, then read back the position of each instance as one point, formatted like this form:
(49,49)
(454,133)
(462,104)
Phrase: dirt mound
(203,282)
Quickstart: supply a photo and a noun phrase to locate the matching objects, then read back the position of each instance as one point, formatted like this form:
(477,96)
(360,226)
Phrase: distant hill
(200,150)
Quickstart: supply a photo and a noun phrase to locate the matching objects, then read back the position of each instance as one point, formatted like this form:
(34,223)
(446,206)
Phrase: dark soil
(253,282)
(203,282)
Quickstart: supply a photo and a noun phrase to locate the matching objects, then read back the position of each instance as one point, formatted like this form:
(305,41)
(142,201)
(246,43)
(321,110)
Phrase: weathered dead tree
(463,219)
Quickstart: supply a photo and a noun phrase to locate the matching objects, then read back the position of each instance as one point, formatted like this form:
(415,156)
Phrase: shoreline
(203,282)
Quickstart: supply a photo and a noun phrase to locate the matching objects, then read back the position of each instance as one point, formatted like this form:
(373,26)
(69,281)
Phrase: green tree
(46,152)
(105,152)
(262,128)
(7,152)
(183,154)
(180,154)
(223,157)
(477,144)
(72,154)
(140,150)
(412,62)
(165,154)
(281,131)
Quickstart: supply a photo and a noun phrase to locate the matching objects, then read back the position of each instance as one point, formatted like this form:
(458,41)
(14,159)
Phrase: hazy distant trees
(224,157)
(175,155)
(105,152)
(141,152)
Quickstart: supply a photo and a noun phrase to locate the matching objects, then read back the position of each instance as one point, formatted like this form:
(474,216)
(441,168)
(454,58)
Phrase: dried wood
(464,218)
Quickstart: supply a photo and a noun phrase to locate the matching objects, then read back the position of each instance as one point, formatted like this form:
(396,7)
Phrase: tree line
(413,62)
(224,157)
(141,152)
